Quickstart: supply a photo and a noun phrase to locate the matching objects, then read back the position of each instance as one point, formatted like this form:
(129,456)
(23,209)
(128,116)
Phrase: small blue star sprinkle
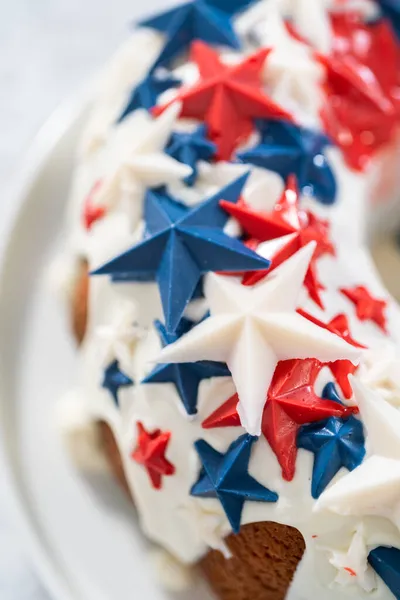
(189,148)
(226,477)
(185,376)
(391,11)
(206,20)
(386,562)
(181,245)
(288,149)
(114,379)
(330,393)
(336,443)
(146,93)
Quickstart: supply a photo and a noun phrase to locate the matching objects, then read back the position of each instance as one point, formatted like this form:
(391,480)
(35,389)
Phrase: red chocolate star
(368,308)
(291,402)
(285,218)
(150,452)
(92,213)
(341,369)
(363,109)
(227,98)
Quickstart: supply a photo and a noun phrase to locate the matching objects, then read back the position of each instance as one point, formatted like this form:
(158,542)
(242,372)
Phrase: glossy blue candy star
(146,93)
(286,149)
(189,148)
(391,10)
(114,379)
(336,443)
(386,562)
(185,376)
(330,393)
(225,476)
(180,245)
(206,20)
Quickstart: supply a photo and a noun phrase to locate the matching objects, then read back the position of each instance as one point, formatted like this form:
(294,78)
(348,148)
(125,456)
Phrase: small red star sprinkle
(368,308)
(351,571)
(150,452)
(92,213)
(291,402)
(363,109)
(227,98)
(341,369)
(285,218)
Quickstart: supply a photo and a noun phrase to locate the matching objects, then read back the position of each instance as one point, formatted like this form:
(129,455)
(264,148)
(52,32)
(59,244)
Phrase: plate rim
(25,173)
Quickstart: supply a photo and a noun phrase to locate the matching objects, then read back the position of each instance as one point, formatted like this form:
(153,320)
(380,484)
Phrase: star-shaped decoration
(386,563)
(189,148)
(287,148)
(227,98)
(182,244)
(391,11)
(335,443)
(146,93)
(135,160)
(341,369)
(290,403)
(286,218)
(114,379)
(380,371)
(117,339)
(150,452)
(92,212)
(373,488)
(208,522)
(206,20)
(226,477)
(185,376)
(350,560)
(362,111)
(368,308)
(252,329)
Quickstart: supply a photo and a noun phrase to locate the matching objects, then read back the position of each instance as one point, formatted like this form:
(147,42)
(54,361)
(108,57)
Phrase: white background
(48,49)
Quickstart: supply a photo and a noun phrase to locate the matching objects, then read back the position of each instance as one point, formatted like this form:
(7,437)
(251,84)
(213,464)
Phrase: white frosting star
(292,74)
(352,564)
(373,488)
(252,328)
(380,370)
(134,160)
(209,523)
(117,340)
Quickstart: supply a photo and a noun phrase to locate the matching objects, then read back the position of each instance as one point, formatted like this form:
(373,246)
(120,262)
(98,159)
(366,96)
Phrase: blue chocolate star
(185,376)
(114,379)
(206,20)
(330,393)
(386,562)
(288,149)
(391,11)
(189,148)
(336,443)
(225,476)
(146,93)
(180,246)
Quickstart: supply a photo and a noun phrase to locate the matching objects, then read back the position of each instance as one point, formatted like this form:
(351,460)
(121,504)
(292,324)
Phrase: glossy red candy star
(285,218)
(368,308)
(341,369)
(91,212)
(363,109)
(150,452)
(291,402)
(227,98)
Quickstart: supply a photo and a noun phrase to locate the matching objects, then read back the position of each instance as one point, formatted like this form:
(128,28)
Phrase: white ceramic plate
(81,533)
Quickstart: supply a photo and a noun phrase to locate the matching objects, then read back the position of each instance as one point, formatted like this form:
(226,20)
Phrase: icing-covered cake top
(239,342)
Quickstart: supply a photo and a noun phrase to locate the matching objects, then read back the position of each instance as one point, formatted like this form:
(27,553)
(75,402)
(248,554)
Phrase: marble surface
(48,48)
